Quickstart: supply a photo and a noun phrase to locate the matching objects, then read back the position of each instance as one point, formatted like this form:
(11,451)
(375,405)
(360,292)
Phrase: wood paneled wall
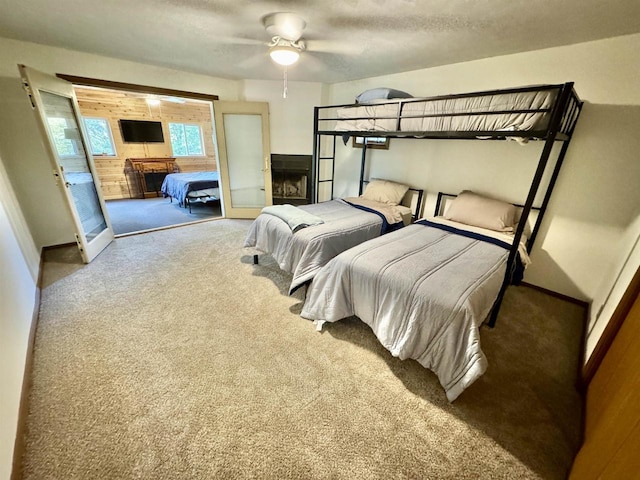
(115,105)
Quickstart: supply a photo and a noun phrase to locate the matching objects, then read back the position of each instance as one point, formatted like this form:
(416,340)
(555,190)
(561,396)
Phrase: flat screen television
(138,131)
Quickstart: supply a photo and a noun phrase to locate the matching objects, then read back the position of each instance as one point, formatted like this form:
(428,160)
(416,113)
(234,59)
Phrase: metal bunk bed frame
(564,114)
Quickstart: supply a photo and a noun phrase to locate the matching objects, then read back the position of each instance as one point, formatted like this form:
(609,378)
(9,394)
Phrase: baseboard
(53,247)
(23,409)
(567,298)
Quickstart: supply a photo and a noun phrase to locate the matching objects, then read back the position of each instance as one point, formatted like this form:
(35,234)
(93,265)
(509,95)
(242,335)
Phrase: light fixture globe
(284,54)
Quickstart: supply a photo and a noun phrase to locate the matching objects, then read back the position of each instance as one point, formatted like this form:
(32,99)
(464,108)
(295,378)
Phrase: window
(100,136)
(186,140)
(60,133)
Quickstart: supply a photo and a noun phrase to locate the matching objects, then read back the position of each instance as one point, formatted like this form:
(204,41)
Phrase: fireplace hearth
(291,179)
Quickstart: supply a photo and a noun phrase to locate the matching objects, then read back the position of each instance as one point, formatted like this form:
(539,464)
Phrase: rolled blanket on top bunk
(295,217)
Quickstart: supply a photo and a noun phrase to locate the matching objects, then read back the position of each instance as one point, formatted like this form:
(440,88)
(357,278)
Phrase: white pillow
(473,209)
(378,93)
(385,191)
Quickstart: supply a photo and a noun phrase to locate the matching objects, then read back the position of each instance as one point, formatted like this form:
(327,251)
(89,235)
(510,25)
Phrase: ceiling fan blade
(254,61)
(335,46)
(239,41)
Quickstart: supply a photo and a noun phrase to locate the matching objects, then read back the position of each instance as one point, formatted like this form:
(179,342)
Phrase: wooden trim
(23,410)
(567,298)
(612,328)
(132,87)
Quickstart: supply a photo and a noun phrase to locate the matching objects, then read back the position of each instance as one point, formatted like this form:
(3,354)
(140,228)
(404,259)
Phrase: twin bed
(344,223)
(191,187)
(425,289)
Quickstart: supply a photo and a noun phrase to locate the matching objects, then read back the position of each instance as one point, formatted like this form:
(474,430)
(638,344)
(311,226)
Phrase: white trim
(109,130)
(200,136)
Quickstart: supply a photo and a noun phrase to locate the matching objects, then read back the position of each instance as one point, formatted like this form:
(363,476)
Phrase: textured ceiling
(346,39)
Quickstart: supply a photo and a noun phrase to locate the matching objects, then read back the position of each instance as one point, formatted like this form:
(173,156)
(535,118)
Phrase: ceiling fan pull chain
(284,91)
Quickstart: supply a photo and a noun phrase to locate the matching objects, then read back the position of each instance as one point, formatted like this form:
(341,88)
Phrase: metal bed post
(554,125)
(554,176)
(363,162)
(333,166)
(316,157)
(418,205)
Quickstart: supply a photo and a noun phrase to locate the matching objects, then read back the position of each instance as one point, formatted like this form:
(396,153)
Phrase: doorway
(137,139)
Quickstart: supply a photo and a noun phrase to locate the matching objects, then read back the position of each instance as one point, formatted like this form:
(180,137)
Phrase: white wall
(21,146)
(19,261)
(614,284)
(588,230)
(291,118)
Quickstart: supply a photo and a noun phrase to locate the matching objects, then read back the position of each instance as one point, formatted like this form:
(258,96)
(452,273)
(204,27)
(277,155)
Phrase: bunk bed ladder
(318,159)
(555,124)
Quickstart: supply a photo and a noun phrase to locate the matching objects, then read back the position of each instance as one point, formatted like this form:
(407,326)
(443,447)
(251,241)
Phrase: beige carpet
(171,356)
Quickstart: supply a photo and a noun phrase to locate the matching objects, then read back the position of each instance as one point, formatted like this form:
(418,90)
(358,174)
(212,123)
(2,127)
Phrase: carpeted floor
(172,356)
(134,215)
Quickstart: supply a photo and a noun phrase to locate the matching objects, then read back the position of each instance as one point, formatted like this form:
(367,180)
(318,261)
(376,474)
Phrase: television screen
(138,131)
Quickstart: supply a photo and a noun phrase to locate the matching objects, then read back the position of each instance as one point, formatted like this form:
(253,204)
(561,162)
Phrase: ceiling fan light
(284,55)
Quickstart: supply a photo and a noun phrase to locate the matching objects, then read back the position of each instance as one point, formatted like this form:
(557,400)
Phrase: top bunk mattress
(508,112)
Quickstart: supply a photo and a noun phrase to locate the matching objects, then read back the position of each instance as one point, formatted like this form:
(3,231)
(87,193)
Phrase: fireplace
(145,175)
(291,179)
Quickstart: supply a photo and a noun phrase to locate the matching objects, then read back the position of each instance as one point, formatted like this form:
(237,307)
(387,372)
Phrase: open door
(244,153)
(66,143)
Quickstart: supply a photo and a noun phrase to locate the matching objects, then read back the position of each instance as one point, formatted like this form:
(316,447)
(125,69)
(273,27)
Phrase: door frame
(611,330)
(149,89)
(133,87)
(220,108)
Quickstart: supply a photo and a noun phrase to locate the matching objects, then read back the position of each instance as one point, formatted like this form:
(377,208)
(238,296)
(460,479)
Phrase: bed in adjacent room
(339,225)
(191,187)
(425,290)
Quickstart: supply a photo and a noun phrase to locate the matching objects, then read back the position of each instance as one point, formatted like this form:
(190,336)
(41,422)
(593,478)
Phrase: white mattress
(350,117)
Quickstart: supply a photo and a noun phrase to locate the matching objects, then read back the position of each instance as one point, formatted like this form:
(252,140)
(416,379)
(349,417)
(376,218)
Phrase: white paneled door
(242,131)
(67,143)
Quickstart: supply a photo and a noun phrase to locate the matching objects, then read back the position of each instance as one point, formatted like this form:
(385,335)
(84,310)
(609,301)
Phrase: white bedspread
(303,253)
(423,291)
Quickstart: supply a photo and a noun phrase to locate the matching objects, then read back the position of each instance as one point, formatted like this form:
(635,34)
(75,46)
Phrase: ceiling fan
(286,30)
